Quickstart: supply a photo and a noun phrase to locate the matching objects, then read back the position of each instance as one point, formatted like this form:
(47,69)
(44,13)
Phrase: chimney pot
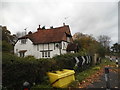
(51,27)
(29,32)
(39,26)
(63,24)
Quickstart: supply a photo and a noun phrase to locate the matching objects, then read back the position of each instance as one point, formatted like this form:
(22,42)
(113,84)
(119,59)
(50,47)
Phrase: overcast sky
(95,17)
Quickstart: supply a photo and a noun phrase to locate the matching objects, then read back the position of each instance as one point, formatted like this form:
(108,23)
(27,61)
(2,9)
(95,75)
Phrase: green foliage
(0,46)
(17,70)
(88,45)
(101,51)
(83,52)
(115,49)
(96,68)
(65,61)
(45,84)
(6,35)
(92,70)
(6,47)
(84,74)
(74,84)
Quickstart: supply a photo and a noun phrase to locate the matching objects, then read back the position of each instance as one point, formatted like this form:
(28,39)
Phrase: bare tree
(104,40)
(20,34)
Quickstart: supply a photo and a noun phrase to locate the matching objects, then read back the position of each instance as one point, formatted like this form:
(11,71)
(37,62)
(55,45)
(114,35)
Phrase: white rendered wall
(35,50)
(31,49)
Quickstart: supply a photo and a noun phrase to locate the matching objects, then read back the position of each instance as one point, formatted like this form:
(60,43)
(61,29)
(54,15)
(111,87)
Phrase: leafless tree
(20,34)
(104,40)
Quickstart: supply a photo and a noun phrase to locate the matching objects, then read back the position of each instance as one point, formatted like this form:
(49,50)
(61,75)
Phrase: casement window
(22,53)
(45,53)
(58,45)
(42,54)
(37,47)
(48,53)
(23,41)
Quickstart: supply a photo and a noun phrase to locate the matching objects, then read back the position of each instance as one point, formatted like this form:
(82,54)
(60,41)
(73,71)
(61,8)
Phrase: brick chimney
(29,32)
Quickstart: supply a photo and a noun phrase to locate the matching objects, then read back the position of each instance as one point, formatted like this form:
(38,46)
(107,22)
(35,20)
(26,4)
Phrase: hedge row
(18,70)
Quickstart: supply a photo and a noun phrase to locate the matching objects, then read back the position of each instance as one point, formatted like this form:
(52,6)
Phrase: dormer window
(23,41)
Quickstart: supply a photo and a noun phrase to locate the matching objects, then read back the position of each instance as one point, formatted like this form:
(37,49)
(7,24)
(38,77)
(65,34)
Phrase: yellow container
(61,79)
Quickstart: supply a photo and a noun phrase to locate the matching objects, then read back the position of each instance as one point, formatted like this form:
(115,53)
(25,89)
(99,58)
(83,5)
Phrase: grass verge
(80,76)
(90,71)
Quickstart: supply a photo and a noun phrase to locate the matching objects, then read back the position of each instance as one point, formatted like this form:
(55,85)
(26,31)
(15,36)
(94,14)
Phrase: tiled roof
(49,35)
(72,47)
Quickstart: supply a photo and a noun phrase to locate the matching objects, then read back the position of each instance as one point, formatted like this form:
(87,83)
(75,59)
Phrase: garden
(17,70)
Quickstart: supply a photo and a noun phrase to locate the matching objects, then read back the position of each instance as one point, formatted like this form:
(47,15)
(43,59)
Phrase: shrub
(65,61)
(6,47)
(17,70)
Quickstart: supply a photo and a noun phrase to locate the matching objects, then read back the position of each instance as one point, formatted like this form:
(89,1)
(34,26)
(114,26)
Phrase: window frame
(22,54)
(46,54)
(23,41)
(43,54)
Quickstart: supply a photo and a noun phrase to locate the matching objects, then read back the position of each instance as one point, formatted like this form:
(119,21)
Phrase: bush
(65,61)
(6,47)
(17,70)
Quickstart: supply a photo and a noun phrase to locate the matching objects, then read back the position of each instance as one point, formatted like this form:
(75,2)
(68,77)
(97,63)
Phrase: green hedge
(17,70)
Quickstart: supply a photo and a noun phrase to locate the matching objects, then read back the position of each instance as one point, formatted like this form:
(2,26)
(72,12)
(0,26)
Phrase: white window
(22,54)
(23,41)
(42,54)
(46,54)
(37,47)
(58,45)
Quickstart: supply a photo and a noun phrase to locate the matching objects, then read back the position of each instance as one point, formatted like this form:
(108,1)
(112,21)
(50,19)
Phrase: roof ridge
(42,36)
(55,27)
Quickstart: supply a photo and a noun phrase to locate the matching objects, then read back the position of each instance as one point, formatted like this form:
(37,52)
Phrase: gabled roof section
(72,47)
(49,35)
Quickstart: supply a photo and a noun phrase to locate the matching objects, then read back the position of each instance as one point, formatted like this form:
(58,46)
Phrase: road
(114,80)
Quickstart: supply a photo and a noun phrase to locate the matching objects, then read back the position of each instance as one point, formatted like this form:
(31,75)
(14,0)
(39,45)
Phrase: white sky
(95,17)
